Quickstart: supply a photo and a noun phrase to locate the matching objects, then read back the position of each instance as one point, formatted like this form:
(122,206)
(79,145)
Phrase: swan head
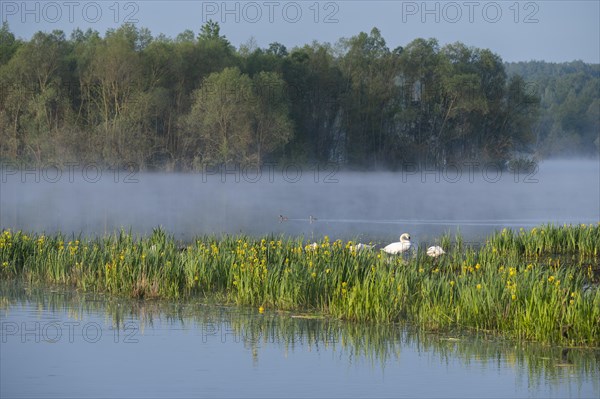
(405,237)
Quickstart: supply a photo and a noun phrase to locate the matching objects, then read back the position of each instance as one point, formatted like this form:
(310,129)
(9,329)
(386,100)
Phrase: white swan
(399,247)
(361,247)
(311,247)
(435,251)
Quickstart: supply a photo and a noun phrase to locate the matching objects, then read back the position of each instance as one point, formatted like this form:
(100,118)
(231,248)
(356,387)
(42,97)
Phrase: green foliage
(534,285)
(34,103)
(569,106)
(129,96)
(8,44)
(272,127)
(211,31)
(237,119)
(277,49)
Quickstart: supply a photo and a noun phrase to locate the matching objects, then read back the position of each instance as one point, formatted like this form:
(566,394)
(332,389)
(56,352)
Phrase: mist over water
(370,206)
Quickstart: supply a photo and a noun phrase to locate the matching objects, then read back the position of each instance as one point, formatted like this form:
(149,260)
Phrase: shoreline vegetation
(536,285)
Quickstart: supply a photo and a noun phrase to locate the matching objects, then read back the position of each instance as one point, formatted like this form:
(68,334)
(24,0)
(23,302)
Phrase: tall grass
(518,284)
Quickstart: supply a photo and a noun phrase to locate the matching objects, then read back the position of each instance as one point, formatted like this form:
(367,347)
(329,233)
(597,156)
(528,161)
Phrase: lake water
(63,344)
(368,206)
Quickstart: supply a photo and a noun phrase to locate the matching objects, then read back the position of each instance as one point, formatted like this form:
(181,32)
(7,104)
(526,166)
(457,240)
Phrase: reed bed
(540,284)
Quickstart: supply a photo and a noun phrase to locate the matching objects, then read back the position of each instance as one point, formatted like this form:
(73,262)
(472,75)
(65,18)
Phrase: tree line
(179,104)
(569,122)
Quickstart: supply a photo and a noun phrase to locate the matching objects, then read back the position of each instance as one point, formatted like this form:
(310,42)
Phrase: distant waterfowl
(399,247)
(283,218)
(435,251)
(312,219)
(312,247)
(361,247)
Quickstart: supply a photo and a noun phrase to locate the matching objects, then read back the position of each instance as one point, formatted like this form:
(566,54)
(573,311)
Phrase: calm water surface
(64,344)
(368,206)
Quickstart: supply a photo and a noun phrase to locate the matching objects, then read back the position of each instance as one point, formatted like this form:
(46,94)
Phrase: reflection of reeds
(535,285)
(376,343)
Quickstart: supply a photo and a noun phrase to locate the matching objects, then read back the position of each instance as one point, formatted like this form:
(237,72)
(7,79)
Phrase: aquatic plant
(518,284)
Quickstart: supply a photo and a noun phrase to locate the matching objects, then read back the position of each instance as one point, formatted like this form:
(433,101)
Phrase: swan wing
(435,251)
(397,247)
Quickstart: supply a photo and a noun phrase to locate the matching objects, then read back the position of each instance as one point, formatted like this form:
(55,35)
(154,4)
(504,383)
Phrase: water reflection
(379,350)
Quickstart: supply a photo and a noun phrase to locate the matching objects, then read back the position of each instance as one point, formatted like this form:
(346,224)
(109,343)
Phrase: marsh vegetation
(540,284)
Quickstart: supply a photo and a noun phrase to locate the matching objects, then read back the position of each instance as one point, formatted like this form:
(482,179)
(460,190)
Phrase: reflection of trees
(358,342)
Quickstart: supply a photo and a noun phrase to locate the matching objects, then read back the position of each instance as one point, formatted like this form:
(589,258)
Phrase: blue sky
(554,31)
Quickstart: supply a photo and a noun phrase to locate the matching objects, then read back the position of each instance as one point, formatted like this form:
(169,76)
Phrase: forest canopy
(179,104)
(569,121)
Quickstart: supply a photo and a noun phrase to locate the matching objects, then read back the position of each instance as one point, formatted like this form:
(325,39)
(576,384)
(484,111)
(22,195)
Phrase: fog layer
(368,206)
